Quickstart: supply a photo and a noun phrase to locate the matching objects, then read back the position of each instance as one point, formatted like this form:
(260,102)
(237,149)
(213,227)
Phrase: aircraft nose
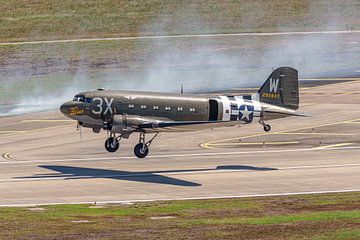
(65,107)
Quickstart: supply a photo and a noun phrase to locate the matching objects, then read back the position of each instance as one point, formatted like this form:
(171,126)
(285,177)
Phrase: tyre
(141,152)
(112,145)
(267,128)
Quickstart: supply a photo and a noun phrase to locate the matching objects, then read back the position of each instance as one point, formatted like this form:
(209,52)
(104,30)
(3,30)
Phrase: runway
(45,160)
(214,35)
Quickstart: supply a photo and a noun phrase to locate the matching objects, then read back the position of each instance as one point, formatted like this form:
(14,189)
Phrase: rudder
(281,88)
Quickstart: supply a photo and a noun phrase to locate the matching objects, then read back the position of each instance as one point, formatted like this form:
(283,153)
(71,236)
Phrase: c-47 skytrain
(122,113)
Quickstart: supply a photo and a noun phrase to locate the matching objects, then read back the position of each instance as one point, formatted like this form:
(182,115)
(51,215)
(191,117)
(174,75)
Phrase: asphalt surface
(45,160)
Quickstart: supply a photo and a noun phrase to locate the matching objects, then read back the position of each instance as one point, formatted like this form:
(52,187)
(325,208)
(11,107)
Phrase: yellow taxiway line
(330,79)
(208,145)
(10,131)
(46,120)
(13,133)
(324,134)
(255,143)
(7,156)
(356,121)
(334,145)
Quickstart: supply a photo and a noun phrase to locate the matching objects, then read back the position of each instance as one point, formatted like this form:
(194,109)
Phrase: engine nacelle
(128,123)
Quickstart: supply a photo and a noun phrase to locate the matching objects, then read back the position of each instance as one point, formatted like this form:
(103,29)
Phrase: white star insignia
(245,113)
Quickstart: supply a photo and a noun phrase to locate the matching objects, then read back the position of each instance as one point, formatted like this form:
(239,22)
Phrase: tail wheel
(112,144)
(141,150)
(267,128)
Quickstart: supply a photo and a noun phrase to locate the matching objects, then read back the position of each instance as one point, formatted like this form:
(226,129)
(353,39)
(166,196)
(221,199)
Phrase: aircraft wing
(162,124)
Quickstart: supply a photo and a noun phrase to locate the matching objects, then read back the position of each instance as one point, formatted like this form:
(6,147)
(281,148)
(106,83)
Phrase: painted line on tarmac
(207,145)
(316,133)
(201,154)
(46,120)
(15,133)
(255,143)
(183,198)
(7,156)
(174,173)
(11,131)
(182,36)
(330,79)
(335,145)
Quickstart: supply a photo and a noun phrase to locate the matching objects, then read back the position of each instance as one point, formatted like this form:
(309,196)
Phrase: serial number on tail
(271,95)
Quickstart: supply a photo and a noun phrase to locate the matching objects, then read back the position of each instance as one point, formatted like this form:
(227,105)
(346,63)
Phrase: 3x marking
(100,106)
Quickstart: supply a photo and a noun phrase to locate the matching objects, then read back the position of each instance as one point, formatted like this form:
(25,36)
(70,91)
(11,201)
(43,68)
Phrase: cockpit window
(79,98)
(88,100)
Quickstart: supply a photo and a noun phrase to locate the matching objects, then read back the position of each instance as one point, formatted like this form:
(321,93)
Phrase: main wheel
(140,150)
(267,128)
(112,145)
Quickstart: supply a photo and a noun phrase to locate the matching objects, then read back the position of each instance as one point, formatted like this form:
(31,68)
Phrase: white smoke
(31,83)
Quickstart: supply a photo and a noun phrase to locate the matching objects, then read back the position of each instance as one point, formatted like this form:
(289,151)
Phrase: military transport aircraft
(122,113)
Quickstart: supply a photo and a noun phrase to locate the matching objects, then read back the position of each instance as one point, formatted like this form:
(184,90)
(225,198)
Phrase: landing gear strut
(267,127)
(112,144)
(141,149)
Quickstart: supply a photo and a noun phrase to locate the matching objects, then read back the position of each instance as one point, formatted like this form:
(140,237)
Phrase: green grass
(51,19)
(314,216)
(286,217)
(340,235)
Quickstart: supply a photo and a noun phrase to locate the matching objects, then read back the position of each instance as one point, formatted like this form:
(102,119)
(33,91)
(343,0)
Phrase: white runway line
(181,36)
(164,173)
(210,154)
(183,199)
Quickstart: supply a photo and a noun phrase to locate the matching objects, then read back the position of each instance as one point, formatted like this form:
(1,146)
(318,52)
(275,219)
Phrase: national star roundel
(246,113)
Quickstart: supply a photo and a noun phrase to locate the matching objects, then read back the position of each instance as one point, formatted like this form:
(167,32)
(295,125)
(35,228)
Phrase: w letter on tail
(274,83)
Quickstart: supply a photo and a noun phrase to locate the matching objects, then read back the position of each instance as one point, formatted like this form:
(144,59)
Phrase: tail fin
(281,88)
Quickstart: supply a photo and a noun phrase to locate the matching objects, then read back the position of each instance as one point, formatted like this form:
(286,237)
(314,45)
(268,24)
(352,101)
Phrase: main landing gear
(141,149)
(112,144)
(267,127)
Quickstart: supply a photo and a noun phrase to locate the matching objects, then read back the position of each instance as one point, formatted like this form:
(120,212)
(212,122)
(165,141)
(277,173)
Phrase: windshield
(79,98)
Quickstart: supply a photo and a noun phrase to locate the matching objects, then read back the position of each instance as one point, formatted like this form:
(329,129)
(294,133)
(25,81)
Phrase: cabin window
(155,107)
(167,108)
(180,109)
(192,109)
(131,105)
(143,106)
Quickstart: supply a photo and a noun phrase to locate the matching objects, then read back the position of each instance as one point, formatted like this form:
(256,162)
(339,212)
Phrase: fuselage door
(214,110)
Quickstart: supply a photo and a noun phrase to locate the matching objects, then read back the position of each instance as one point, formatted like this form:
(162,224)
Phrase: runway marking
(337,93)
(169,173)
(11,131)
(182,36)
(354,121)
(184,198)
(7,156)
(315,133)
(14,133)
(201,154)
(337,84)
(335,145)
(330,79)
(256,143)
(207,145)
(47,120)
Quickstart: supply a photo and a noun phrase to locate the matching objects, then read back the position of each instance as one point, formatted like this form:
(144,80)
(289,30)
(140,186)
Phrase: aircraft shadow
(70,172)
